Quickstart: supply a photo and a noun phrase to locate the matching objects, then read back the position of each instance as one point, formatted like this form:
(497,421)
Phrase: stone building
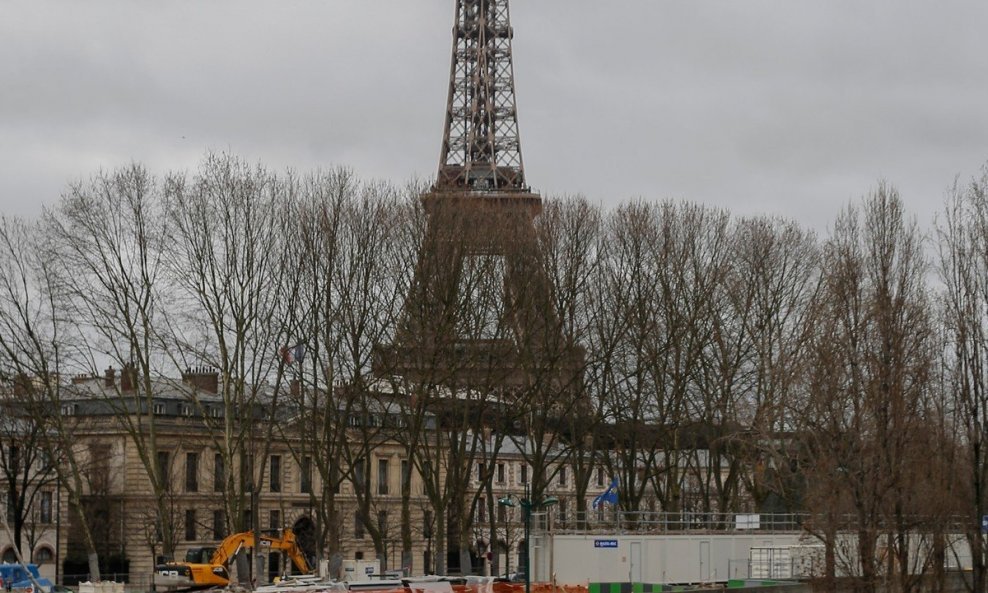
(112,431)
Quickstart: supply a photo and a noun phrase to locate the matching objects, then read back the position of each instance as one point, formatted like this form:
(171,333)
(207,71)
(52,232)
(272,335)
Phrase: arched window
(9,556)
(43,555)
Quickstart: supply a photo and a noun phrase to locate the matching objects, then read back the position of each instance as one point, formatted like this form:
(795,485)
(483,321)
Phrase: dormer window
(159,409)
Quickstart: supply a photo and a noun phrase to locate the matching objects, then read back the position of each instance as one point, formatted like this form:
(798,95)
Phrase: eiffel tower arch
(480,313)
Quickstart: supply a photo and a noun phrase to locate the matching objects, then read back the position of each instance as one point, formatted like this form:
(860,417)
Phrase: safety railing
(612,521)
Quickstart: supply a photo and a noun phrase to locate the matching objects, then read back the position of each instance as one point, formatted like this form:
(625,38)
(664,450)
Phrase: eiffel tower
(480,232)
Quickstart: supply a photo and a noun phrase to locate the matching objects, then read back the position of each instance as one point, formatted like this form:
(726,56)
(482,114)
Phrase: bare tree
(35,350)
(570,241)
(868,381)
(773,282)
(110,236)
(664,266)
(318,435)
(963,249)
(237,284)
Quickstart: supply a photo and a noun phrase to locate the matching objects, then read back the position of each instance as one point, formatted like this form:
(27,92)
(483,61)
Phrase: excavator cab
(199,555)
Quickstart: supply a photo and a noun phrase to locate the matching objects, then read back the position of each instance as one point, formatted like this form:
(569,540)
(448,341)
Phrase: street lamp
(527,505)
(506,502)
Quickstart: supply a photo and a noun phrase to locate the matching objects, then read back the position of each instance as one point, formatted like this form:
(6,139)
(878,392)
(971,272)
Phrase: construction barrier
(101,587)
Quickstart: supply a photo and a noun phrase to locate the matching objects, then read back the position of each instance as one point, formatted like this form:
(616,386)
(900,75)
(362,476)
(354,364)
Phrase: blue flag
(298,353)
(609,496)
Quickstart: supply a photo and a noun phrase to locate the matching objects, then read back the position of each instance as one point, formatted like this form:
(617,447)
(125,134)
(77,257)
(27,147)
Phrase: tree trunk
(440,536)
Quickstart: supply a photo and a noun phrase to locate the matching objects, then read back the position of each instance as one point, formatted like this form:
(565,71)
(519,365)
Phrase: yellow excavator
(207,567)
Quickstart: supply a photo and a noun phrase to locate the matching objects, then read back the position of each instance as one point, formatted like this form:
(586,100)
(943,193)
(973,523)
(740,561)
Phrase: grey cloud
(759,106)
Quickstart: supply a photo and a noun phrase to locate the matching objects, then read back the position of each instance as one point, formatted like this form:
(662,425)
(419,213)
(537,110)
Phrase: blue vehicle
(16,577)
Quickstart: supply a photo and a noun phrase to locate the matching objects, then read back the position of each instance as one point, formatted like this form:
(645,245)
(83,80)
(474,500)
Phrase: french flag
(292,354)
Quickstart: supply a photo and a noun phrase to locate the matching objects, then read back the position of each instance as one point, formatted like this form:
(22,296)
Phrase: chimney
(128,377)
(82,378)
(109,377)
(203,378)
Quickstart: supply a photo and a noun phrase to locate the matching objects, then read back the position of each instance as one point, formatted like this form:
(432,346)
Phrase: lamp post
(508,503)
(527,504)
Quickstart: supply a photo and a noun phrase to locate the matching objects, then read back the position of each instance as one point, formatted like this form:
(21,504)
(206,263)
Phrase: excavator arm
(286,543)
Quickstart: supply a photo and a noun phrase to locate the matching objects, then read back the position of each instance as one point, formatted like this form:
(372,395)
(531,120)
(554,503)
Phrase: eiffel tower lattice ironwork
(481,148)
(480,231)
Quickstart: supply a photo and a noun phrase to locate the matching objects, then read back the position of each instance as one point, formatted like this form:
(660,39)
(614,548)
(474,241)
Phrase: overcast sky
(786,106)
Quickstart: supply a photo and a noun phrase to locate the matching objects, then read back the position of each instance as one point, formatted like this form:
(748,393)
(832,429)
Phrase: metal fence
(611,521)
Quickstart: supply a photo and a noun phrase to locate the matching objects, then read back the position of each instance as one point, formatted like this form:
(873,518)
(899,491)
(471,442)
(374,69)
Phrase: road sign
(605,543)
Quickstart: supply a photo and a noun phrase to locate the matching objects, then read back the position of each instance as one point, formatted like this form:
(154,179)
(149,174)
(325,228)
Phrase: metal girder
(481,149)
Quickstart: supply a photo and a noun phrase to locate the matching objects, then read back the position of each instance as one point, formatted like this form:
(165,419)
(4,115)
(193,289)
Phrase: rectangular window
(219,525)
(562,510)
(334,476)
(382,522)
(482,510)
(406,475)
(46,507)
(382,476)
(562,476)
(247,469)
(502,513)
(600,476)
(190,525)
(524,474)
(219,473)
(274,520)
(164,470)
(358,526)
(15,459)
(427,524)
(159,409)
(500,473)
(306,475)
(358,474)
(480,472)
(192,472)
(99,473)
(275,473)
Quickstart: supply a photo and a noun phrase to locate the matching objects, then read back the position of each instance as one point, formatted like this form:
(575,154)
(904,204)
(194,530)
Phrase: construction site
(465,420)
